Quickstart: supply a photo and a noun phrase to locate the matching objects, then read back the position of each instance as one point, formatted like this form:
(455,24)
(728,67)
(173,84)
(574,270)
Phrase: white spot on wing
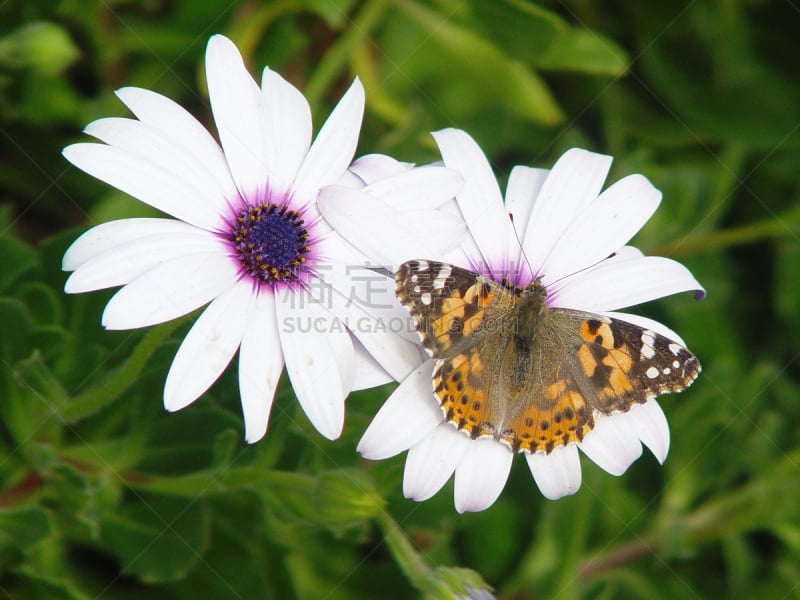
(425,298)
(652,372)
(648,339)
(676,364)
(675,349)
(422,265)
(441,277)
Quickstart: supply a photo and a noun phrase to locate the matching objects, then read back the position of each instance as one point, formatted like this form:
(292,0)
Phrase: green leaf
(522,30)
(335,14)
(183,442)
(43,47)
(226,444)
(584,51)
(159,538)
(35,407)
(80,494)
(118,381)
(33,583)
(48,101)
(346,497)
(502,80)
(15,342)
(17,259)
(242,565)
(24,527)
(787,292)
(44,387)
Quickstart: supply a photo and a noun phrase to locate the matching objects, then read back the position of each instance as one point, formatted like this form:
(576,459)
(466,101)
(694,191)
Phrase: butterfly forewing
(449,304)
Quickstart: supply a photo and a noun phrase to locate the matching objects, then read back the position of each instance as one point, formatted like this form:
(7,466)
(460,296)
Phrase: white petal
(287,127)
(430,462)
(183,129)
(372,289)
(145,181)
(350,180)
(142,140)
(367,372)
(650,423)
(420,188)
(524,185)
(612,445)
(106,236)
(236,104)
(208,347)
(557,474)
(480,200)
(604,227)
(334,249)
(374,167)
(481,475)
(463,255)
(170,290)
(625,283)
(647,324)
(260,366)
(441,230)
(366,298)
(334,147)
(624,253)
(125,262)
(410,414)
(387,235)
(319,361)
(397,355)
(574,181)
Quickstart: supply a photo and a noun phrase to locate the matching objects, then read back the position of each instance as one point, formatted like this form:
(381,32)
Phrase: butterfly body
(532,376)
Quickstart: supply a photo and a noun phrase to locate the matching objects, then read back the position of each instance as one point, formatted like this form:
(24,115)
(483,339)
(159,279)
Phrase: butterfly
(531,376)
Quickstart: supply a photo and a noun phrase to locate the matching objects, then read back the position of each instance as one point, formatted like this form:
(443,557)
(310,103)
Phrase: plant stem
(407,558)
(619,556)
(95,398)
(785,225)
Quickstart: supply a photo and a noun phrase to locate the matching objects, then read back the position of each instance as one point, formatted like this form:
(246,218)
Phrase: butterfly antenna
(519,241)
(586,268)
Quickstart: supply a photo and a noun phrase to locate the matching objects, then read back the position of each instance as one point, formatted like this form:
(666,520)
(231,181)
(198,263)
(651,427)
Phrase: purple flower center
(271,243)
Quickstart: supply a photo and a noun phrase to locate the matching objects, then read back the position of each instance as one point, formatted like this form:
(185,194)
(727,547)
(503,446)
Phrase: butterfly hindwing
(464,388)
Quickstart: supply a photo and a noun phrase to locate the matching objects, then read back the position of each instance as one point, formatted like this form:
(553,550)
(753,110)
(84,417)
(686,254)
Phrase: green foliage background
(104,495)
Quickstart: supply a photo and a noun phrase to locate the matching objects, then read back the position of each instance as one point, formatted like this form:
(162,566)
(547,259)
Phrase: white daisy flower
(246,237)
(570,238)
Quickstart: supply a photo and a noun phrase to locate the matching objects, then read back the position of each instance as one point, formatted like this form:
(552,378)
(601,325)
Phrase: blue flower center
(271,242)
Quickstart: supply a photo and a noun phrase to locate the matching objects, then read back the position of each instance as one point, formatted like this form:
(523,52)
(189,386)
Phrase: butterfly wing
(459,316)
(587,365)
(450,304)
(467,390)
(540,390)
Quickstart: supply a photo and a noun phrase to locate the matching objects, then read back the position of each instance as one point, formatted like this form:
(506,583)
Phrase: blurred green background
(104,495)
